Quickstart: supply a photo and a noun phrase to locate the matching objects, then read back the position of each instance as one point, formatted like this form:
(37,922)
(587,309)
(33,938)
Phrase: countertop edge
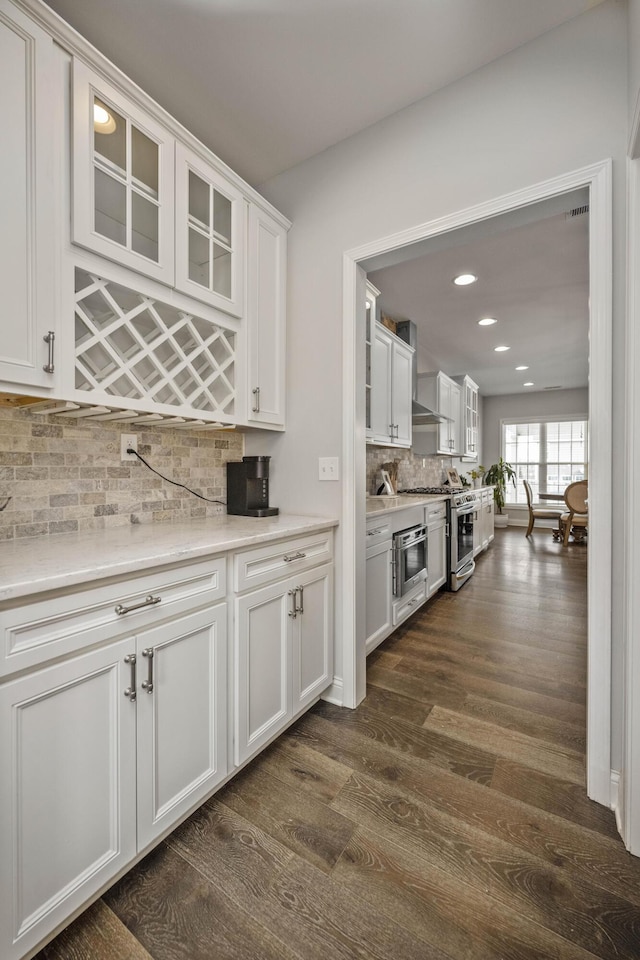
(61,562)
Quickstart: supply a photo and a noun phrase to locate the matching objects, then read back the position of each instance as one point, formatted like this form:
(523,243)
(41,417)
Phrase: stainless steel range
(463,514)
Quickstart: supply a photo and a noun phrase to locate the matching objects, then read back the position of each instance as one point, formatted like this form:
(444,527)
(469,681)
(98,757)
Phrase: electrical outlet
(128,441)
(328,468)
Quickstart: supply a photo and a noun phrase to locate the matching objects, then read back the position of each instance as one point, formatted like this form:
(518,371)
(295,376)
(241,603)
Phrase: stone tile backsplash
(65,474)
(411,471)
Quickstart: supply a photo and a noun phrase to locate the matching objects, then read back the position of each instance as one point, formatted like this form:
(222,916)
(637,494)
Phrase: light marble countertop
(51,563)
(383,505)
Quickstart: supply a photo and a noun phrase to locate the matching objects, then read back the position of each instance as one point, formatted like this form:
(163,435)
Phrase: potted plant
(476,475)
(497,476)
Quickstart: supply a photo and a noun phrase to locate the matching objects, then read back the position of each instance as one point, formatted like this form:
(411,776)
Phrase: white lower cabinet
(67,790)
(101,754)
(437,565)
(181,712)
(404,606)
(378,587)
(283,645)
(116,703)
(487,518)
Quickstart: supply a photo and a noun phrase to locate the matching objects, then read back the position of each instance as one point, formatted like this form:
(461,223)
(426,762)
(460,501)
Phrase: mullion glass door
(126,161)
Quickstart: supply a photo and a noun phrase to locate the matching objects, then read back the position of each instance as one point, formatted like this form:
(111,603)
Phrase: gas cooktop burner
(430,490)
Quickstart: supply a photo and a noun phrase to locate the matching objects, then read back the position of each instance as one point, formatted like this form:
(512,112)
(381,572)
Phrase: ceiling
(533,278)
(268,83)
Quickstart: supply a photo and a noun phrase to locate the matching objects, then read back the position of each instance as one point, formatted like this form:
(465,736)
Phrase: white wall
(533,406)
(552,106)
(527,405)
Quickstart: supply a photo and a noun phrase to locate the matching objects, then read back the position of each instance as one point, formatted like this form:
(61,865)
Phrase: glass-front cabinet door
(210,215)
(123,179)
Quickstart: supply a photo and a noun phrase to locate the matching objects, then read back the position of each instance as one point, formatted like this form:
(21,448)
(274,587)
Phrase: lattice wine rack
(134,347)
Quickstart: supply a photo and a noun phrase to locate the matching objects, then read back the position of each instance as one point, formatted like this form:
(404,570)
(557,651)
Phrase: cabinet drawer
(55,625)
(378,531)
(435,511)
(254,568)
(408,604)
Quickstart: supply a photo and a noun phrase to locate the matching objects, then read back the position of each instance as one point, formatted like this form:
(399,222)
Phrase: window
(549,454)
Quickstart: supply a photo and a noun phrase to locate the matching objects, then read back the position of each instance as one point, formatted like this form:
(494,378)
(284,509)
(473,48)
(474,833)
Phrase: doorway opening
(596,182)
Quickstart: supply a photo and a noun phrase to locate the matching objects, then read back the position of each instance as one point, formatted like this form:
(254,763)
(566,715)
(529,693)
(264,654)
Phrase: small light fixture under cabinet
(464,279)
(522,368)
(501,349)
(529,383)
(486,321)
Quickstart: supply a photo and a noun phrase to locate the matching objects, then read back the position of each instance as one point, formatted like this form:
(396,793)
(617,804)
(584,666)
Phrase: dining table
(551,496)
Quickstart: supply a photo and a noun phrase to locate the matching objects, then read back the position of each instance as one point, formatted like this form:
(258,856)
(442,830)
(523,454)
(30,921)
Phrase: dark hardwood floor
(446,817)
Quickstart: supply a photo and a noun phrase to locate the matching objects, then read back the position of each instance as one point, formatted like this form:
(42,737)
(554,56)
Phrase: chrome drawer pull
(148,683)
(256,406)
(301,607)
(294,556)
(150,601)
(49,339)
(374,533)
(294,610)
(130,692)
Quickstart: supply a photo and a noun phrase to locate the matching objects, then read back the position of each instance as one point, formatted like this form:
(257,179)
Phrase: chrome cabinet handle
(148,602)
(256,406)
(301,607)
(294,556)
(294,609)
(49,338)
(130,692)
(148,683)
(374,533)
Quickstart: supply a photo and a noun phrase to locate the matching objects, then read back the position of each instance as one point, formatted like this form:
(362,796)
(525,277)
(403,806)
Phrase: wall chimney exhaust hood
(420,415)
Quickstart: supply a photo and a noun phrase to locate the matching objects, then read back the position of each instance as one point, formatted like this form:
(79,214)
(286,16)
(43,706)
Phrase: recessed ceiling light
(464,278)
(103,121)
(522,368)
(486,321)
(529,383)
(501,349)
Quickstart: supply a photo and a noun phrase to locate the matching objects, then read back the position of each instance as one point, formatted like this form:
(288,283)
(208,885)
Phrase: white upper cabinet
(391,389)
(27,231)
(468,418)
(123,179)
(210,244)
(372,314)
(267,257)
(442,394)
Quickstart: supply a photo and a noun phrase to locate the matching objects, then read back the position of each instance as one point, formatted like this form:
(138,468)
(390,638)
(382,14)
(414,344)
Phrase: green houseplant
(476,475)
(497,476)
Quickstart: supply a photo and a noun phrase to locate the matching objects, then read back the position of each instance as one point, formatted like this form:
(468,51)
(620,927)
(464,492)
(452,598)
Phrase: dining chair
(577,514)
(538,513)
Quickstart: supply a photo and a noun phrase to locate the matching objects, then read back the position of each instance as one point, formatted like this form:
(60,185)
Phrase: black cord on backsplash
(174,482)
(5,504)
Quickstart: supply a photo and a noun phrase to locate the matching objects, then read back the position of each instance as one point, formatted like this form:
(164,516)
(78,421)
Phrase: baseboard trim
(617,795)
(335,693)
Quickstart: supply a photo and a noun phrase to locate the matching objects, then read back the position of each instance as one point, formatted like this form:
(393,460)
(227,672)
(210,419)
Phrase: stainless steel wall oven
(463,516)
(409,558)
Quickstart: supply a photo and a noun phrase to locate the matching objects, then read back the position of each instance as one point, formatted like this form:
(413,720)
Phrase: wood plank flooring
(446,817)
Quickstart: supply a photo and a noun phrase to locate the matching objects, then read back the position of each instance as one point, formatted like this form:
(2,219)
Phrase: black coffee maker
(248,488)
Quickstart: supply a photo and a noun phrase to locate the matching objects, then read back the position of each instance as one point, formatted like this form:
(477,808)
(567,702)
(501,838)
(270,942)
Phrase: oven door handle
(466,571)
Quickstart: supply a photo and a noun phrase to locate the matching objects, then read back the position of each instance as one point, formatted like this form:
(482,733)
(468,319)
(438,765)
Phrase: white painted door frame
(597,178)
(629,812)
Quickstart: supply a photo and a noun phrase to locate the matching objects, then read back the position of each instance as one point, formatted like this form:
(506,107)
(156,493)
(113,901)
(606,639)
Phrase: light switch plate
(328,468)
